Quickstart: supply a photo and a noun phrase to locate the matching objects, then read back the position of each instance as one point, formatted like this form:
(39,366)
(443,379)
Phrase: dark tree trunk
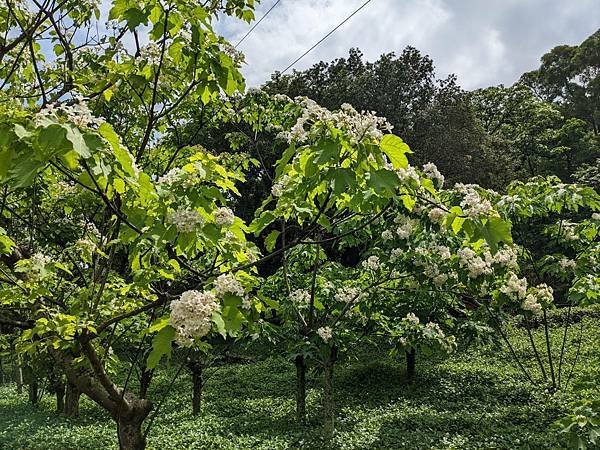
(411,357)
(196,367)
(145,381)
(33,392)
(328,399)
(129,427)
(300,389)
(72,401)
(59,390)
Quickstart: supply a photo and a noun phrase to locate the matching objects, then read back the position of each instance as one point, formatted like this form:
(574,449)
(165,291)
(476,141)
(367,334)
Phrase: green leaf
(343,179)
(383,180)
(271,240)
(395,149)
(161,346)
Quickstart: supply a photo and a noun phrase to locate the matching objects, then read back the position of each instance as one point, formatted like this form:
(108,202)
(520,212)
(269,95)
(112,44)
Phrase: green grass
(475,399)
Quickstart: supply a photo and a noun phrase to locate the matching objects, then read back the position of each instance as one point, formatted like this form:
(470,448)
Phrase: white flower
(371,263)
(191,316)
(531,304)
(395,253)
(596,216)
(412,318)
(432,172)
(475,265)
(440,279)
(278,188)
(224,217)
(437,215)
(407,174)
(387,235)
(347,294)
(41,260)
(515,287)
(227,283)
(474,205)
(567,264)
(186,220)
(300,296)
(325,333)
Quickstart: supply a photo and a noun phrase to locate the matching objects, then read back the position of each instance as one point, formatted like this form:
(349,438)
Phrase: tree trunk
(328,400)
(72,401)
(19,376)
(196,367)
(411,357)
(145,381)
(59,391)
(129,430)
(300,389)
(33,392)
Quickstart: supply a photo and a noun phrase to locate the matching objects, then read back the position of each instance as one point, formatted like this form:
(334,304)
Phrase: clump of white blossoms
(185,219)
(325,333)
(151,53)
(224,217)
(227,283)
(40,260)
(347,294)
(410,173)
(371,263)
(278,188)
(596,216)
(538,298)
(300,296)
(191,316)
(515,287)
(387,235)
(437,215)
(405,226)
(236,56)
(475,265)
(412,318)
(567,264)
(78,113)
(365,125)
(505,257)
(431,171)
(395,254)
(473,204)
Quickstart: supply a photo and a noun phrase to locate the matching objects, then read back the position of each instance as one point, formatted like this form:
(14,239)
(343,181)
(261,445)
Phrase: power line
(257,23)
(326,36)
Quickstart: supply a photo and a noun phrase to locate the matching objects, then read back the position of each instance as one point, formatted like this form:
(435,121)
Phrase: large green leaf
(161,346)
(395,149)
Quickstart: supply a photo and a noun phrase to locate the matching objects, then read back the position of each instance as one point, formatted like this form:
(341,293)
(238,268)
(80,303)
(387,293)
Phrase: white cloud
(484,43)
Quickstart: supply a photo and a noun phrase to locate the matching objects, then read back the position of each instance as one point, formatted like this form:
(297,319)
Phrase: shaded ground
(476,399)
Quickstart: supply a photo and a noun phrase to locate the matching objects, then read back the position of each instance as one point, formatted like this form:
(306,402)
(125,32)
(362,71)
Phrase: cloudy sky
(484,42)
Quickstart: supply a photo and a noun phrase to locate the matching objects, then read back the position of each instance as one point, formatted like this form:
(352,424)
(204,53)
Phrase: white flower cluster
(278,188)
(77,113)
(347,294)
(568,230)
(185,219)
(405,226)
(151,53)
(473,204)
(359,126)
(387,235)
(395,254)
(431,171)
(476,266)
(515,287)
(538,298)
(227,283)
(505,257)
(410,173)
(509,201)
(596,216)
(191,316)
(371,263)
(236,56)
(300,296)
(412,318)
(325,333)
(224,217)
(567,264)
(437,215)
(40,260)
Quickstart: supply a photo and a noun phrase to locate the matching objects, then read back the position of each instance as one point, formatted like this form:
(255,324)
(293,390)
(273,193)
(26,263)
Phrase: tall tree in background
(434,116)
